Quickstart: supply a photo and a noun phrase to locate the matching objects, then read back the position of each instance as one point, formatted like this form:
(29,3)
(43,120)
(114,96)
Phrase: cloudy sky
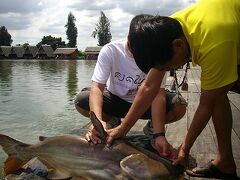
(30,20)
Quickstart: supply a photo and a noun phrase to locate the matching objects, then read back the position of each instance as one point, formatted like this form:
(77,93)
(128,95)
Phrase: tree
(71,31)
(52,41)
(23,45)
(102,30)
(5,37)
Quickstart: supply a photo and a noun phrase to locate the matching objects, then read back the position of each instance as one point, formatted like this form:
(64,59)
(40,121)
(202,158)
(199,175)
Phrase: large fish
(72,156)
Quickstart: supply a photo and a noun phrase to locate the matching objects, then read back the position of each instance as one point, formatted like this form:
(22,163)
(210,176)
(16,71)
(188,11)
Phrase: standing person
(208,32)
(115,81)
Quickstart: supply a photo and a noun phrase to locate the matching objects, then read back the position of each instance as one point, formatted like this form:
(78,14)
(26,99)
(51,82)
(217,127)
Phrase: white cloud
(19,6)
(15,21)
(30,20)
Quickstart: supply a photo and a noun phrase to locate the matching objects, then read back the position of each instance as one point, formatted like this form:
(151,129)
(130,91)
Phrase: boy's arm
(96,100)
(208,101)
(145,95)
(158,118)
(158,109)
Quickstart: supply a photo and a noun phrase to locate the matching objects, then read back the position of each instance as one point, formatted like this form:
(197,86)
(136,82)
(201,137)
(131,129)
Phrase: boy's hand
(164,148)
(182,157)
(114,133)
(93,135)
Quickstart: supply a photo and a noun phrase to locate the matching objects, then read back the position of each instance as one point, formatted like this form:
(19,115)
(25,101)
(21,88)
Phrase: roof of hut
(6,50)
(31,50)
(1,51)
(65,50)
(46,49)
(19,50)
(93,49)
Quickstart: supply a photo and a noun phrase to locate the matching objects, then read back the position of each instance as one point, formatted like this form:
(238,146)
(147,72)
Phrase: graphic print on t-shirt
(128,82)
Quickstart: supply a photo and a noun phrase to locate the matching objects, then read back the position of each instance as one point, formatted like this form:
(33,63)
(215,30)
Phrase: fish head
(138,166)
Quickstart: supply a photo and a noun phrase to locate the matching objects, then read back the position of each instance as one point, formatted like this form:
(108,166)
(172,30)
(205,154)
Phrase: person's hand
(93,135)
(164,148)
(114,133)
(182,157)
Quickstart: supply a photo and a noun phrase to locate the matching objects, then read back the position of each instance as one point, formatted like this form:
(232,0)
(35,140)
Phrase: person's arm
(96,100)
(99,79)
(145,95)
(95,104)
(158,109)
(158,118)
(201,117)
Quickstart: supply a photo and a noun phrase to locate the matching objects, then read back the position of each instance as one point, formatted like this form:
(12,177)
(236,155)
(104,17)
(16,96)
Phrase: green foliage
(5,37)
(82,55)
(52,41)
(71,31)
(23,45)
(102,30)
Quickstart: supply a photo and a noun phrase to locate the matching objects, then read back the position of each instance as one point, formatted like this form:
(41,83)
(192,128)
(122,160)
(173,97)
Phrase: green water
(37,97)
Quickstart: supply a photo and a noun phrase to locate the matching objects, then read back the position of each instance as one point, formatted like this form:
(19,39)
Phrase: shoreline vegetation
(54,47)
(46,52)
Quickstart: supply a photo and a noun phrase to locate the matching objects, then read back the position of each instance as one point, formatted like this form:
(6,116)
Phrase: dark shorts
(115,106)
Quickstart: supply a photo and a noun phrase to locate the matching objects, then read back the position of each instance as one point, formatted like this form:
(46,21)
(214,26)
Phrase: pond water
(37,97)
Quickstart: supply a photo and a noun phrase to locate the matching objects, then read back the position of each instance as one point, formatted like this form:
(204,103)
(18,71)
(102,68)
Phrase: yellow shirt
(212,29)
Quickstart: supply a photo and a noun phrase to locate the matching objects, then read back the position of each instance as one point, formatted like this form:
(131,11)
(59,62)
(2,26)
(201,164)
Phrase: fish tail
(12,147)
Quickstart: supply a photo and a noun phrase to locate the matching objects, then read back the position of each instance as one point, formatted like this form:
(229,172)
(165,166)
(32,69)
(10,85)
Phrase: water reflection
(35,91)
(52,67)
(5,71)
(36,97)
(72,79)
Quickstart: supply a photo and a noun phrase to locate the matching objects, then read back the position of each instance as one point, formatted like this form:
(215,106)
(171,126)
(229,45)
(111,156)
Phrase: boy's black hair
(150,39)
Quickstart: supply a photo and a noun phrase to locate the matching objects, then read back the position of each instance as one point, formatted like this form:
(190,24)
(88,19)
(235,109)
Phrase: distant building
(16,52)
(19,51)
(30,52)
(5,51)
(1,54)
(12,54)
(66,53)
(45,52)
(92,52)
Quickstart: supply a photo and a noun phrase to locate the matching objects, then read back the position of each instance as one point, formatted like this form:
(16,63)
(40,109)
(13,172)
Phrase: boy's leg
(236,86)
(175,110)
(222,120)
(82,102)
(176,107)
(114,108)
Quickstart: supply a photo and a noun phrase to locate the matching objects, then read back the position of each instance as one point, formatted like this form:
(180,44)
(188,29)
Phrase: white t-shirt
(118,71)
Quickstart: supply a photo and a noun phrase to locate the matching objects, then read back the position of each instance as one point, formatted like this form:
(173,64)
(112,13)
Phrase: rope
(176,84)
(184,77)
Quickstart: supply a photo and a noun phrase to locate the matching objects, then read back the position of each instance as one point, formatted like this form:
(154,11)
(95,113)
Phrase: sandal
(209,170)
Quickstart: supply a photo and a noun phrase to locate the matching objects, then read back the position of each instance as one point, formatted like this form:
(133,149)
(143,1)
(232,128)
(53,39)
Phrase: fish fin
(98,126)
(9,144)
(57,174)
(42,138)
(12,147)
(12,164)
(81,178)
(46,163)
